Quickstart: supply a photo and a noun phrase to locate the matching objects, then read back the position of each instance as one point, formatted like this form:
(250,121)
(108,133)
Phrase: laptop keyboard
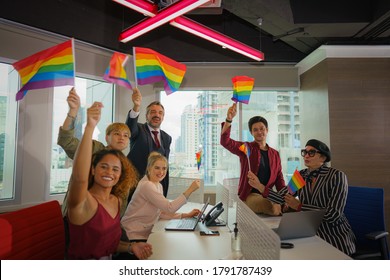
(186,223)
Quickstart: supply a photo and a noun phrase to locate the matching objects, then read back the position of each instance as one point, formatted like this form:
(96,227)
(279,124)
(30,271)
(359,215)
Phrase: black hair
(257,119)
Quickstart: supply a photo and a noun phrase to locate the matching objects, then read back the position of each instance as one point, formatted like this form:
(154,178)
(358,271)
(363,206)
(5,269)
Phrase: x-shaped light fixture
(173,14)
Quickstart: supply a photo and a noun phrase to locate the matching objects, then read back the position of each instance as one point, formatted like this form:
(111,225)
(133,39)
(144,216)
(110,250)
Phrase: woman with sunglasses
(325,188)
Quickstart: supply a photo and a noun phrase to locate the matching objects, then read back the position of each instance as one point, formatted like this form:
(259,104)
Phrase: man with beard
(147,137)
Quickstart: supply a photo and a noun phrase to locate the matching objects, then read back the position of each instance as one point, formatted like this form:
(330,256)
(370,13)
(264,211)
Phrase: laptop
(188,224)
(299,224)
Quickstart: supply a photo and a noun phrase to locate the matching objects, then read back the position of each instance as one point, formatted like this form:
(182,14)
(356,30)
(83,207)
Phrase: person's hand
(136,97)
(193,213)
(142,250)
(254,182)
(94,113)
(73,102)
(276,209)
(291,201)
(232,111)
(285,208)
(194,186)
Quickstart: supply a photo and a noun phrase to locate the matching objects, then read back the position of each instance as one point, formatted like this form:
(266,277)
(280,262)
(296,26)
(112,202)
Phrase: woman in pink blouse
(148,203)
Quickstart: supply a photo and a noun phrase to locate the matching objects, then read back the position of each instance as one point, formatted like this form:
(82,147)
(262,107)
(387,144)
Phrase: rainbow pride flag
(48,68)
(245,149)
(242,88)
(199,159)
(152,67)
(296,182)
(115,72)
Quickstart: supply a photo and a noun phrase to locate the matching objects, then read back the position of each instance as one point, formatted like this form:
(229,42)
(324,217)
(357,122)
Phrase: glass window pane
(8,119)
(89,92)
(193,119)
(281,110)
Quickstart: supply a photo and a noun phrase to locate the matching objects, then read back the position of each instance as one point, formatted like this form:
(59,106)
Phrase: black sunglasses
(311,153)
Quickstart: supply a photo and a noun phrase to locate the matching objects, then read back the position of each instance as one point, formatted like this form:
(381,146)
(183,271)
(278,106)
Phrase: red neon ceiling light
(172,14)
(165,15)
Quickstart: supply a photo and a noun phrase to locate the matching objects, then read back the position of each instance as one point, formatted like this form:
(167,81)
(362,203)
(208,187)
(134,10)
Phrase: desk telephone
(213,214)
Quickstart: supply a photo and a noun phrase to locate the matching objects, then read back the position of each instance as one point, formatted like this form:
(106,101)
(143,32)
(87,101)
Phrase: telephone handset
(213,214)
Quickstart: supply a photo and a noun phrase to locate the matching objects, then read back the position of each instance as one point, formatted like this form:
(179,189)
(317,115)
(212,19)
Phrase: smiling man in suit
(147,137)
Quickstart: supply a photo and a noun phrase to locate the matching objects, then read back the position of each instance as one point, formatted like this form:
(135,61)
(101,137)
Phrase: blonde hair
(117,126)
(153,157)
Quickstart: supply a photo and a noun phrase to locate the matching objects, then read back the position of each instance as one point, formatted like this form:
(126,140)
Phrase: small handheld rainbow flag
(296,182)
(247,151)
(242,88)
(48,68)
(199,158)
(115,72)
(152,67)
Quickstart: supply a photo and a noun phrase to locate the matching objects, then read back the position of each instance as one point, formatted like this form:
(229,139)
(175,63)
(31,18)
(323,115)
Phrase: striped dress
(329,192)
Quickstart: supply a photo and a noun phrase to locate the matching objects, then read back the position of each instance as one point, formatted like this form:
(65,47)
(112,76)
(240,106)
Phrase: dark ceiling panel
(332,11)
(100,22)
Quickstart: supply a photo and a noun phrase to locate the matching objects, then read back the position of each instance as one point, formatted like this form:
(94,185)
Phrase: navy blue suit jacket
(142,144)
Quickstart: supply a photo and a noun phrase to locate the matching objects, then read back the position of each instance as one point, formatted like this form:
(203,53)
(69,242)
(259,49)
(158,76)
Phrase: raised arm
(74,104)
(159,201)
(78,190)
(132,116)
(66,138)
(170,213)
(136,97)
(195,185)
(231,113)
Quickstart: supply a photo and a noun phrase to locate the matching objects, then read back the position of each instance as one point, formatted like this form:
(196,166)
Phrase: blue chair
(365,212)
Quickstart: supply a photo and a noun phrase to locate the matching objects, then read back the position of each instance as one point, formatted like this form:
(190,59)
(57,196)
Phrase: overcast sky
(174,105)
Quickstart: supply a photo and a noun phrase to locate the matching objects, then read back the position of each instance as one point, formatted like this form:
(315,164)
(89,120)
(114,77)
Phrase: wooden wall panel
(359,118)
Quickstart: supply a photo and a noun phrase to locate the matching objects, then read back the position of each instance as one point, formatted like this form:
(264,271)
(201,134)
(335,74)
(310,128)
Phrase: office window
(9,83)
(89,92)
(193,119)
(281,110)
(200,114)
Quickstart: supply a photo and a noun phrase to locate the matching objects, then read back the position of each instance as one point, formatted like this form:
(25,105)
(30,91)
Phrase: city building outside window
(200,114)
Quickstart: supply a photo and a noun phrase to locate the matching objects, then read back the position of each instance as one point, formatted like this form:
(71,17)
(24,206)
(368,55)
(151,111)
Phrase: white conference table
(178,245)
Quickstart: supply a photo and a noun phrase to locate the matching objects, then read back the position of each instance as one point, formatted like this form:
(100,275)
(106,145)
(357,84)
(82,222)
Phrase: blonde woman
(149,204)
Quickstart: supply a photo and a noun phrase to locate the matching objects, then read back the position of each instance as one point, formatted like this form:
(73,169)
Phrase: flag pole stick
(74,62)
(135,68)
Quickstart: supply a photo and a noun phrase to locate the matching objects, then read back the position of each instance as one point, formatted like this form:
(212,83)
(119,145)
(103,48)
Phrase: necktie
(155,132)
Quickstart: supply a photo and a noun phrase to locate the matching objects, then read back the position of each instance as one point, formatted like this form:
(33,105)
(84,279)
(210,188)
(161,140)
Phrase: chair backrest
(364,210)
(35,233)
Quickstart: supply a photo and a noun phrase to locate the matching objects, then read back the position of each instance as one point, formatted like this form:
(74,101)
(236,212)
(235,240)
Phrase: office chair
(33,233)
(365,212)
